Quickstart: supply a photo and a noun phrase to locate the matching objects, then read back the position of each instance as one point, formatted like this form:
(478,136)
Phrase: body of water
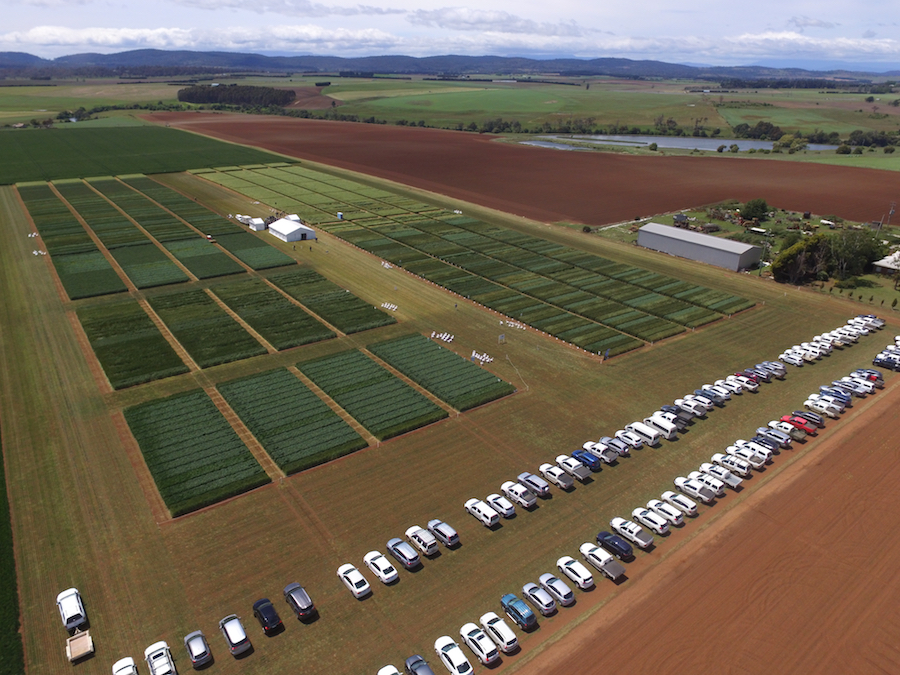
(679,142)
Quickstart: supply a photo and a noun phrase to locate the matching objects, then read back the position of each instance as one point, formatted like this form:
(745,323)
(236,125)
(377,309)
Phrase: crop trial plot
(441,371)
(338,306)
(382,403)
(196,458)
(253,251)
(83,270)
(296,428)
(128,344)
(204,329)
(269,313)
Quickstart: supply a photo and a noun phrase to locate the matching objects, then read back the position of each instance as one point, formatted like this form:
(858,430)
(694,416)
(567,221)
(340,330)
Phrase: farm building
(288,229)
(732,255)
(889,265)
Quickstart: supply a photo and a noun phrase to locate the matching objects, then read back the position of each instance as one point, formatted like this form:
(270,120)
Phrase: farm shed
(291,230)
(889,265)
(732,255)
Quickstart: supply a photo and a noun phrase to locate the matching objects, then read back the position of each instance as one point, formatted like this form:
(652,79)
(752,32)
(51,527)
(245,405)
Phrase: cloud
(802,22)
(493,21)
(869,34)
(286,7)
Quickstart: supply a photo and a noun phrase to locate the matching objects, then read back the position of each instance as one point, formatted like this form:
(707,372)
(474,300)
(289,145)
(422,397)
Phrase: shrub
(889,149)
(844,149)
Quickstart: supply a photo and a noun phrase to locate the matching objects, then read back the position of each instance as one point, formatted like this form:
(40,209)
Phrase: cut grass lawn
(270,314)
(441,371)
(205,330)
(128,344)
(195,457)
(296,428)
(382,403)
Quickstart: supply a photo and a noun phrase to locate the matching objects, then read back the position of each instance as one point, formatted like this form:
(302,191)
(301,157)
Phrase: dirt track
(550,185)
(800,578)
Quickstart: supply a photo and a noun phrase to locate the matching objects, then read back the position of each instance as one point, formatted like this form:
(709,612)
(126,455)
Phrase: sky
(822,34)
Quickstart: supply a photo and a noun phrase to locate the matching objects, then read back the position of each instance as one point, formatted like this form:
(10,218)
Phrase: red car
(800,423)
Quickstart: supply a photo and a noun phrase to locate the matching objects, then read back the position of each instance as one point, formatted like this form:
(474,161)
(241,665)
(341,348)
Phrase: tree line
(237,94)
(840,255)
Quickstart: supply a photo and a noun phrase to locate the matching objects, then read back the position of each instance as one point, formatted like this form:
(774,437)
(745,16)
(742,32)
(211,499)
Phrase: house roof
(285,226)
(698,238)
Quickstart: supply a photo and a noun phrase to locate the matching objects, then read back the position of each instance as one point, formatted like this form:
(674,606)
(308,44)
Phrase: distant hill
(159,62)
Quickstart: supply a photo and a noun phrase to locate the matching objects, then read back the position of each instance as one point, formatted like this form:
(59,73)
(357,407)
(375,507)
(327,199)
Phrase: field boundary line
(167,334)
(259,338)
(331,403)
(256,448)
(90,356)
(155,502)
(306,309)
(403,378)
(56,280)
(129,284)
(190,275)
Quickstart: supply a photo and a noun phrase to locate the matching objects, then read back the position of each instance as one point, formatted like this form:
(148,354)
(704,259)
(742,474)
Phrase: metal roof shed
(290,230)
(732,255)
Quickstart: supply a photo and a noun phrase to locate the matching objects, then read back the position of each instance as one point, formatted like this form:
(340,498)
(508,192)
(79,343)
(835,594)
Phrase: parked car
(731,386)
(615,545)
(124,667)
(501,505)
(632,532)
(481,645)
(354,581)
(417,665)
(760,450)
(575,571)
(159,659)
(667,511)
(629,438)
(652,521)
(422,539)
(536,484)
(766,442)
(722,392)
(721,474)
(822,407)
(784,440)
(267,615)
(443,533)
(617,445)
(746,455)
(557,476)
(518,611)
(299,601)
(812,417)
(605,452)
(482,512)
(71,609)
(499,632)
(388,670)
(680,502)
(745,382)
(801,423)
(235,635)
(518,493)
(573,467)
(381,567)
(696,408)
(792,358)
(452,656)
(601,560)
(403,553)
(694,489)
(540,598)
(589,459)
(732,463)
(714,484)
(557,588)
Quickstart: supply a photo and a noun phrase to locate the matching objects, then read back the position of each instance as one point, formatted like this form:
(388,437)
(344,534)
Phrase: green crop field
(441,371)
(195,457)
(382,403)
(204,329)
(253,251)
(336,305)
(294,425)
(128,344)
(270,314)
(42,154)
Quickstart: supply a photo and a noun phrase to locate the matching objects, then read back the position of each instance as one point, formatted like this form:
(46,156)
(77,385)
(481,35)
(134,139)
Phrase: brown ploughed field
(551,185)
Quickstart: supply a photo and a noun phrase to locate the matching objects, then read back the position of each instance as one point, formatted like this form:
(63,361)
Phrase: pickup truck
(602,560)
(606,454)
(573,467)
(557,476)
(632,532)
(159,659)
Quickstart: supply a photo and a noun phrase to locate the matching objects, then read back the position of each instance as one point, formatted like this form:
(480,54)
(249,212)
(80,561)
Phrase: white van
(649,435)
(667,429)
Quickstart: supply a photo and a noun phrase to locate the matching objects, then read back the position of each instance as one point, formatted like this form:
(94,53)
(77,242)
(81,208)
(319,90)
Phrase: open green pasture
(381,402)
(53,154)
(296,428)
(128,344)
(195,456)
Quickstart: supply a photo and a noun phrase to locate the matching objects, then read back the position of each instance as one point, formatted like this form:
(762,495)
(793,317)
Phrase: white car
(573,467)
(792,358)
(388,670)
(760,450)
(557,476)
(452,656)
(721,391)
(822,408)
(629,438)
(575,571)
(680,502)
(501,505)
(828,400)
(722,474)
(124,667)
(667,511)
(733,387)
(652,521)
(557,588)
(481,645)
(747,455)
(159,659)
(422,539)
(482,512)
(694,407)
(602,560)
(744,381)
(519,494)
(354,580)
(381,567)
(71,609)
(734,464)
(499,631)
(714,484)
(702,400)
(632,532)
(694,489)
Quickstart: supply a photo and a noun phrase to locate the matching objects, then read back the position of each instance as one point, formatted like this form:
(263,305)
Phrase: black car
(298,600)
(818,420)
(268,618)
(615,545)
(711,395)
(766,442)
(416,665)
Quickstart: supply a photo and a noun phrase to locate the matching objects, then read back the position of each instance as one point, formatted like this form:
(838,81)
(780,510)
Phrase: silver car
(540,598)
(197,649)
(557,588)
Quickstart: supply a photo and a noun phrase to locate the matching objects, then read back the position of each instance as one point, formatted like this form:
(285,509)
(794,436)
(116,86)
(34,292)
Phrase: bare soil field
(550,185)
(311,98)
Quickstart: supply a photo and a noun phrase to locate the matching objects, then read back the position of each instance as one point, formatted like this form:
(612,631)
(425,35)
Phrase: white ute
(602,560)
(652,521)
(519,494)
(632,532)
(573,467)
(732,463)
(694,489)
(722,474)
(714,484)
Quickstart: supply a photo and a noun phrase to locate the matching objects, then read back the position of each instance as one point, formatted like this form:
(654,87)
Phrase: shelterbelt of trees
(236,94)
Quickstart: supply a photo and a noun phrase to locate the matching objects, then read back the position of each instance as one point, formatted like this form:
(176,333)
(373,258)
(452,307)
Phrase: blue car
(840,394)
(518,611)
(590,460)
